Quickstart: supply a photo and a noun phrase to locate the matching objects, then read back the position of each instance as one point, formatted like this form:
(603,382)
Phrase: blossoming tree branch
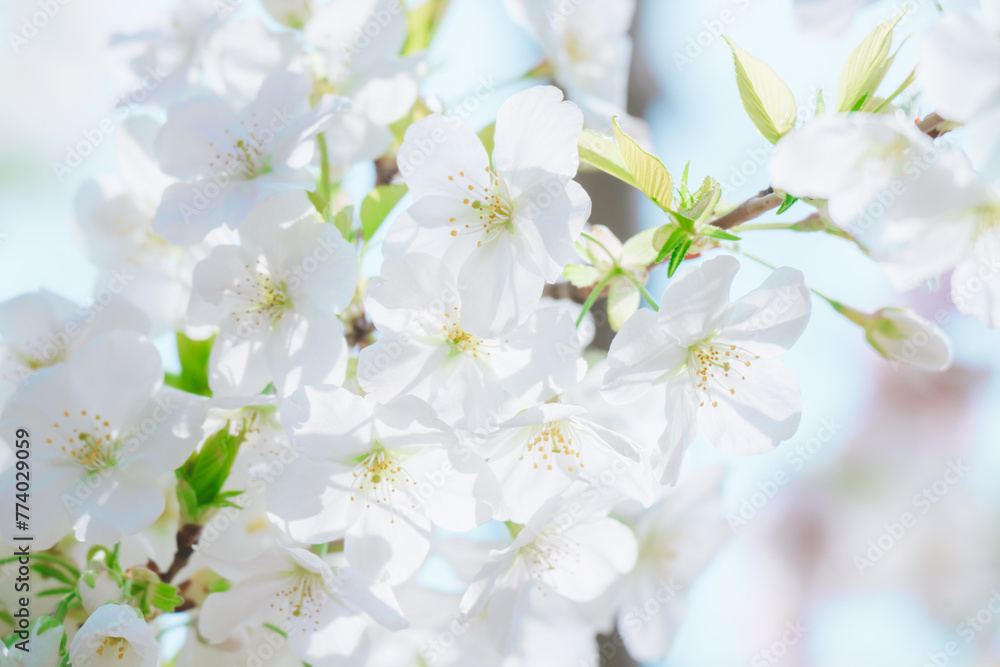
(374,382)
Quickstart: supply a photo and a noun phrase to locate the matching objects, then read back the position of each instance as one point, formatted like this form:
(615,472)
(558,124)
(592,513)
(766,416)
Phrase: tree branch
(187,537)
(754,207)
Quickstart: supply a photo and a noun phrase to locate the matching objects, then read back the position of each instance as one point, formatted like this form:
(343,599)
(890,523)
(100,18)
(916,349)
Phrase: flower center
(893,153)
(717,367)
(466,342)
(248,156)
(35,354)
(90,445)
(490,209)
(265,299)
(380,477)
(550,443)
(987,217)
(304,596)
(115,646)
(550,551)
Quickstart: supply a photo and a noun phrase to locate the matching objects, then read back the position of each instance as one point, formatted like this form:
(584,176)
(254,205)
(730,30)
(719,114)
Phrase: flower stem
(645,294)
(603,247)
(589,303)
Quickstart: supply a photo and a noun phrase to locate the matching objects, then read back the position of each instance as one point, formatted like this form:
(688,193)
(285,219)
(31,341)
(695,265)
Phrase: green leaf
(602,153)
(704,202)
(766,98)
(896,93)
(193,355)
(866,66)
(787,204)
(675,239)
(860,103)
(677,258)
(716,233)
(344,222)
(649,173)
(422,24)
(163,596)
(188,501)
(53,573)
(206,471)
(376,207)
(686,223)
(820,103)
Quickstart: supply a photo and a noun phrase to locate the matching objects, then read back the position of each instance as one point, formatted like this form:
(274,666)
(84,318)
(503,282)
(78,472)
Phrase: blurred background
(821,570)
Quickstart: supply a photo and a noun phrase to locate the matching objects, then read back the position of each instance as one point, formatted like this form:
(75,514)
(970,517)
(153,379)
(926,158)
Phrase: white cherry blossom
(717,360)
(541,451)
(104,430)
(275,298)
(506,226)
(677,538)
(959,74)
(569,547)
(587,45)
(230,161)
(115,635)
(317,605)
(358,45)
(424,350)
(41,329)
(378,475)
(851,159)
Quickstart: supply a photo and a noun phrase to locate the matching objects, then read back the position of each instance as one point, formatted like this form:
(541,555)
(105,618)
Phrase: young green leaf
(678,257)
(602,153)
(193,355)
(766,98)
(206,471)
(866,66)
(675,239)
(377,206)
(649,173)
(164,596)
(716,233)
(787,204)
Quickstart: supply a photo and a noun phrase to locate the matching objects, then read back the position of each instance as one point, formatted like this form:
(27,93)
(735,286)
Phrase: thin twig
(752,208)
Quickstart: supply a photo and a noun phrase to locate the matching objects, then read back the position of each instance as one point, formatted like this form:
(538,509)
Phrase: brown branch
(754,207)
(931,125)
(187,538)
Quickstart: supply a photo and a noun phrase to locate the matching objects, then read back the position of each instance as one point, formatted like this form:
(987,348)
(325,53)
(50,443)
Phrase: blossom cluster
(390,439)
